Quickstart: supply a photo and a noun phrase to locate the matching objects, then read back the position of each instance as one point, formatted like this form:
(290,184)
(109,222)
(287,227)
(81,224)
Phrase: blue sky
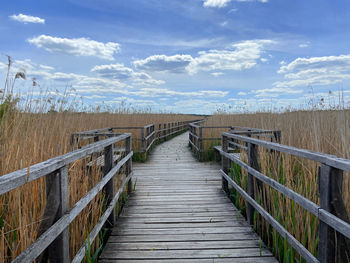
(194,56)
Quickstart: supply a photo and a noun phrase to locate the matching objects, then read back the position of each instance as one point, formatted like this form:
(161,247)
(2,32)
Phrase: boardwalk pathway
(179,213)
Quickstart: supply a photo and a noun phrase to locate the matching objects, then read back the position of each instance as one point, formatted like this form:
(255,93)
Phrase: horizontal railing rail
(55,237)
(148,134)
(197,139)
(330,175)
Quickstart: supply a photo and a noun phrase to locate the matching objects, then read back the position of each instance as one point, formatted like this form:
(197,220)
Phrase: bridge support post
(225,163)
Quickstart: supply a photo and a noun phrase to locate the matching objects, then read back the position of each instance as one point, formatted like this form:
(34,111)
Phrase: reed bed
(28,138)
(326,131)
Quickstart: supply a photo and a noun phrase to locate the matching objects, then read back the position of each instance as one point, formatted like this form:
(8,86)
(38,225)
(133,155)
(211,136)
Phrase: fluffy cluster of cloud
(175,64)
(315,71)
(120,72)
(27,19)
(76,46)
(223,3)
(242,55)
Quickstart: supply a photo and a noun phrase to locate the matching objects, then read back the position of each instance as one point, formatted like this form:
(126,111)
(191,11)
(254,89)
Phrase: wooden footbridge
(178,210)
(178,213)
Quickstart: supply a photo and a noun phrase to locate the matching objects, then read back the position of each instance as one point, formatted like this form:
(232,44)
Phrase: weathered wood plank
(180,212)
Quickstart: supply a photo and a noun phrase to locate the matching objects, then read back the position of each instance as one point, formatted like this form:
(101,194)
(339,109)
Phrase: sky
(194,56)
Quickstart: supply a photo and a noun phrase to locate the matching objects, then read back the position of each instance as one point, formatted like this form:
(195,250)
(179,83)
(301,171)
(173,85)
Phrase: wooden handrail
(330,179)
(56,169)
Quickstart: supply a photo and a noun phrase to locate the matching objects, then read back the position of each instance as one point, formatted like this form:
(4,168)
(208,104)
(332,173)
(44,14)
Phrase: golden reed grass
(27,139)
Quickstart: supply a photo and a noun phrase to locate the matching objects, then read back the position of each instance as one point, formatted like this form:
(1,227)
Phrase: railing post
(277,135)
(333,247)
(164,131)
(326,242)
(190,136)
(56,207)
(200,143)
(254,163)
(109,188)
(61,245)
(225,163)
(128,147)
(143,148)
(159,132)
(168,130)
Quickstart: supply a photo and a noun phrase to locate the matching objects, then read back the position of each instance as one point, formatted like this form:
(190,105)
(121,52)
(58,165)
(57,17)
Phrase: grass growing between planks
(318,130)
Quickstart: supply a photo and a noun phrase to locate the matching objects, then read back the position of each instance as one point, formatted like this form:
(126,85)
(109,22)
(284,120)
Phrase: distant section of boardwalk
(179,213)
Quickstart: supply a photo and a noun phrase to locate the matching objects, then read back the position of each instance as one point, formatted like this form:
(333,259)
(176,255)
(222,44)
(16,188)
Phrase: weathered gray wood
(109,188)
(302,201)
(331,160)
(128,150)
(225,164)
(326,243)
(18,178)
(279,228)
(59,249)
(197,260)
(254,163)
(178,200)
(34,250)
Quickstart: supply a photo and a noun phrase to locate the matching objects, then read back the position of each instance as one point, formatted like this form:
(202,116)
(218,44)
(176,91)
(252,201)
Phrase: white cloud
(76,46)
(120,72)
(244,56)
(241,93)
(217,74)
(174,64)
(27,19)
(315,71)
(216,3)
(275,92)
(156,92)
(223,3)
(304,45)
(132,102)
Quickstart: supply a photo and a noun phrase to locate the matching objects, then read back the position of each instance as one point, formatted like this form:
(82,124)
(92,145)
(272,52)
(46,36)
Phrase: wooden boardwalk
(179,213)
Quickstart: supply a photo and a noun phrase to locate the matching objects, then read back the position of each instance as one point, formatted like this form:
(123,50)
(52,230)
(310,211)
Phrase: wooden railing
(196,138)
(331,212)
(55,236)
(148,134)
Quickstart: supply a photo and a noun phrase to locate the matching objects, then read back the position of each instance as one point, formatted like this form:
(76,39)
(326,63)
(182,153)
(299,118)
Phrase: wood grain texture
(179,213)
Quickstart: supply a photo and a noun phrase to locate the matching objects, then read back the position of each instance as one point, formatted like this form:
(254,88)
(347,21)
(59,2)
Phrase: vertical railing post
(254,163)
(326,242)
(159,132)
(200,143)
(164,132)
(109,188)
(277,136)
(56,206)
(190,136)
(143,148)
(128,146)
(61,244)
(225,163)
(333,247)
(169,127)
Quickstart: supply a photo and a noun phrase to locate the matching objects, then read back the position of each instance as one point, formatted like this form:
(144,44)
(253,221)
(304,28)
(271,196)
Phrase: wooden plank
(185,254)
(179,212)
(185,245)
(216,260)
